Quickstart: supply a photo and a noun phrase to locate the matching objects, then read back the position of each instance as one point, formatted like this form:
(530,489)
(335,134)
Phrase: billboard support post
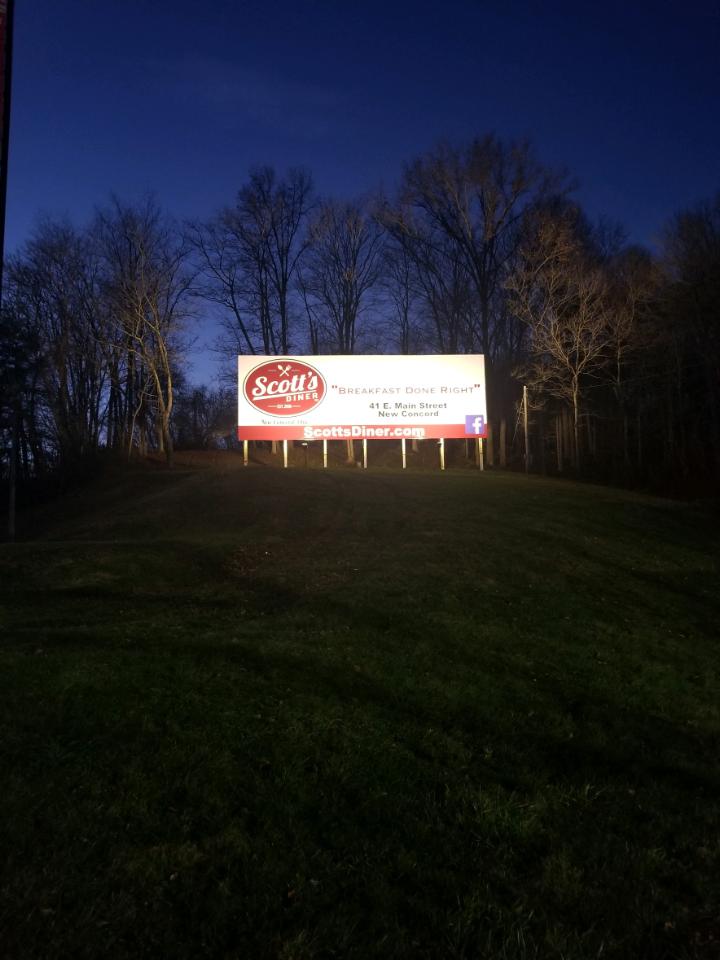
(285,454)
(442,453)
(245,453)
(404,457)
(325,454)
(364,453)
(480,458)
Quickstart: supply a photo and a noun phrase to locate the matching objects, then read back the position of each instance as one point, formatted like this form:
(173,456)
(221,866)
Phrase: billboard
(361,397)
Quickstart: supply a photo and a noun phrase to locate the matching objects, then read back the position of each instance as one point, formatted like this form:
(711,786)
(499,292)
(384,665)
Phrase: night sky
(180,98)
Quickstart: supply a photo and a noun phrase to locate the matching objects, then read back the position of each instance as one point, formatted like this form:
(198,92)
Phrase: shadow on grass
(640,749)
(443,686)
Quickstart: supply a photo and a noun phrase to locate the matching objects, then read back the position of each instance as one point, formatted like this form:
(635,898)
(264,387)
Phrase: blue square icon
(474,425)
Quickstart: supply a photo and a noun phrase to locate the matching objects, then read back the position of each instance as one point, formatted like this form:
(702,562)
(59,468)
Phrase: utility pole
(7,13)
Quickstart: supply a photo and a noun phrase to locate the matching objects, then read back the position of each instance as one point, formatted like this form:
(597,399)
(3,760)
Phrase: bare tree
(633,288)
(249,256)
(147,285)
(54,289)
(342,268)
(461,213)
(563,296)
(400,285)
(203,417)
(438,273)
(475,197)
(222,281)
(22,359)
(692,266)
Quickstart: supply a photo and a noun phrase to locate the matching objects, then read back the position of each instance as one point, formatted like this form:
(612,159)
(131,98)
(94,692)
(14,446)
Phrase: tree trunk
(169,448)
(490,446)
(576,432)
(626,440)
(568,434)
(559,442)
(12,477)
(541,438)
(591,437)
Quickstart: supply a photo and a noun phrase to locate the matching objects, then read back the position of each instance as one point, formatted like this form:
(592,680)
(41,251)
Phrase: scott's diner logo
(284,388)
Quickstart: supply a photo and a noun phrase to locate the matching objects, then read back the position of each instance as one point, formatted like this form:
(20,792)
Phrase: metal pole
(404,457)
(364,453)
(4,153)
(285,455)
(480,454)
(525,421)
(325,454)
(245,453)
(442,454)
(5,147)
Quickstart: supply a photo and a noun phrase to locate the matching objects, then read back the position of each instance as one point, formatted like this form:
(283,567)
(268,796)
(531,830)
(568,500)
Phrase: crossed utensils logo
(284,369)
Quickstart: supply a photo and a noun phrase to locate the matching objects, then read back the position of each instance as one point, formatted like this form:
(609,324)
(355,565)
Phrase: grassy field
(304,714)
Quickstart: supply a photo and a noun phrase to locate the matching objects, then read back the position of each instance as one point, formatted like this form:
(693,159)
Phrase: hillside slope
(267,713)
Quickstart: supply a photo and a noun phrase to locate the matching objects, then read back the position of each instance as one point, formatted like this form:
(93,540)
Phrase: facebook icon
(474,425)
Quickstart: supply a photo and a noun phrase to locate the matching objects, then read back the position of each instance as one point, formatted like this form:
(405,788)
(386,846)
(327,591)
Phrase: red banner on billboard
(363,431)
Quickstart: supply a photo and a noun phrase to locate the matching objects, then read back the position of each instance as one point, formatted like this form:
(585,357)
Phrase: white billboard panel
(372,397)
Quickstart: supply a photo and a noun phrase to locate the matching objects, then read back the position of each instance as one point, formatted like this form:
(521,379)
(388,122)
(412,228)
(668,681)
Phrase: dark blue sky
(180,98)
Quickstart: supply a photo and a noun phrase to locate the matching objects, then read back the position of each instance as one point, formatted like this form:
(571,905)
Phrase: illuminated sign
(284,388)
(361,397)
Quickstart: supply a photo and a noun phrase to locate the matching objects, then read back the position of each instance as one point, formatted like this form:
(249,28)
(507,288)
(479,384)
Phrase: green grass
(303,714)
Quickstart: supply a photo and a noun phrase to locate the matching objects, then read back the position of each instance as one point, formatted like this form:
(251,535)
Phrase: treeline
(481,250)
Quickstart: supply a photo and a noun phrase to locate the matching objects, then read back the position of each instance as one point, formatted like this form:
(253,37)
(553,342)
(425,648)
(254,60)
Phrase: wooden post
(442,454)
(525,423)
(245,453)
(364,453)
(404,457)
(285,453)
(325,454)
